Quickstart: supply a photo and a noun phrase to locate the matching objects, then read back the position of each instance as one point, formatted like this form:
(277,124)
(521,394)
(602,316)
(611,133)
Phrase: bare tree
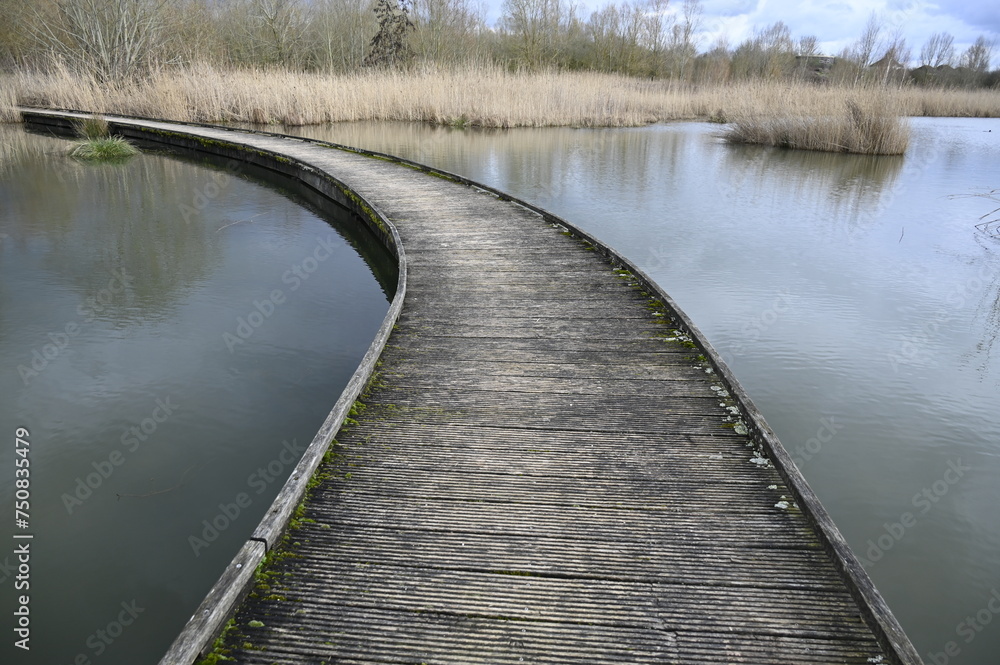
(862,52)
(114,40)
(537,27)
(866,46)
(15,31)
(264,32)
(768,54)
(939,50)
(977,57)
(277,31)
(716,65)
(447,30)
(630,37)
(341,32)
(895,59)
(194,29)
(656,26)
(806,50)
(682,48)
(974,64)
(603,29)
(808,46)
(633,30)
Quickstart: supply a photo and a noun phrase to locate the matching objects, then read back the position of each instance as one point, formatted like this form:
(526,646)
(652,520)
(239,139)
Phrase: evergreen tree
(388,47)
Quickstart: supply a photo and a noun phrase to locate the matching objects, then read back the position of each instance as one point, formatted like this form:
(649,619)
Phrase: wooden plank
(594,602)
(610,523)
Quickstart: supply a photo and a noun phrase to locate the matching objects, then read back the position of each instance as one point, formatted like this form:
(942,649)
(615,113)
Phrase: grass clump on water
(871,122)
(96,143)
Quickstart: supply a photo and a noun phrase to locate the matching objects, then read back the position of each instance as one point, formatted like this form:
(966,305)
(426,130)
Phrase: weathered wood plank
(610,523)
(600,602)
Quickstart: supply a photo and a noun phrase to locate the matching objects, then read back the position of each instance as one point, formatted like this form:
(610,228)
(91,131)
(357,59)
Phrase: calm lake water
(853,298)
(172,333)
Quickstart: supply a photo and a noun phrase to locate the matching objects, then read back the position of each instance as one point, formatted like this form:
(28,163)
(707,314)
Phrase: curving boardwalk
(548,466)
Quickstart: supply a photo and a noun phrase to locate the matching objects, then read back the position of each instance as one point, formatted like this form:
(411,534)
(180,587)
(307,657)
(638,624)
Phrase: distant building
(814,67)
(890,64)
(815,63)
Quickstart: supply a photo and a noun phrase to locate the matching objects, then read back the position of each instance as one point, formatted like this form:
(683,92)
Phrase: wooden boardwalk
(545,469)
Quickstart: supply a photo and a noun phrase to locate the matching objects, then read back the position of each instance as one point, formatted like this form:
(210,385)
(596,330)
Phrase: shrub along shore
(865,119)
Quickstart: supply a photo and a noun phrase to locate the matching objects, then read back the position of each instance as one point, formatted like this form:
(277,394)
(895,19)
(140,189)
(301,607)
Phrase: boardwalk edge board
(206,625)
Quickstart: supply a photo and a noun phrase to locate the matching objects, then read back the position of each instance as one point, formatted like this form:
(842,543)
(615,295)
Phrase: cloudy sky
(837,23)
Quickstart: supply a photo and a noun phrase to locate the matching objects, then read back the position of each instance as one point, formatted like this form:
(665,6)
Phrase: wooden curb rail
(198,636)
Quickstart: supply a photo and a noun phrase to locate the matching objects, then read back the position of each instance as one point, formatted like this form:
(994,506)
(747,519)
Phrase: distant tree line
(118,40)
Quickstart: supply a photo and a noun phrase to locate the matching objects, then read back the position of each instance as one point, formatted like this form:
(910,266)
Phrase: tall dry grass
(945,103)
(482,95)
(476,95)
(8,100)
(868,121)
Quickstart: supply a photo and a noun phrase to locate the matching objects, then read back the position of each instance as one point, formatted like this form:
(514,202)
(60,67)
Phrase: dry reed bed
(870,121)
(8,100)
(941,103)
(482,95)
